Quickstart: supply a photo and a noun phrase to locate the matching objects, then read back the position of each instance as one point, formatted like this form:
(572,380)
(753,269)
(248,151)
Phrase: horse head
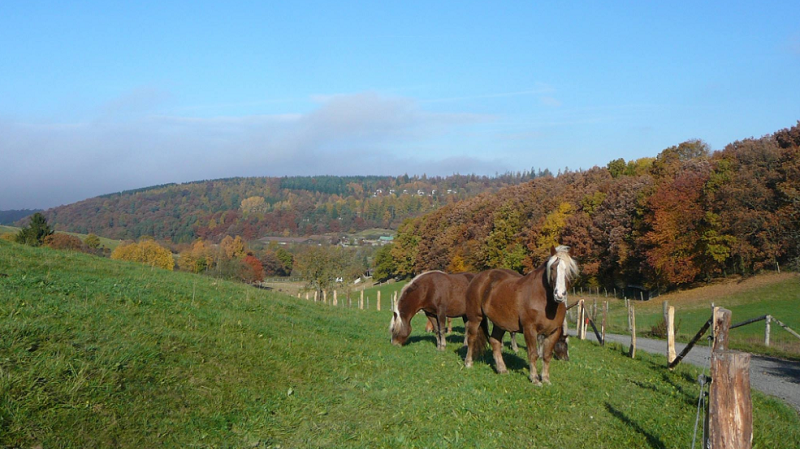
(398,330)
(561,269)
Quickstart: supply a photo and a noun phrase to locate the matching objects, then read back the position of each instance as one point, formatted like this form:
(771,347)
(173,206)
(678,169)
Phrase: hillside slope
(98,353)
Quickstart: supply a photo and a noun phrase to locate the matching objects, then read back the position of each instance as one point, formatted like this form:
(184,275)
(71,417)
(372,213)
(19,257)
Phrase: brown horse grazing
(533,304)
(439,295)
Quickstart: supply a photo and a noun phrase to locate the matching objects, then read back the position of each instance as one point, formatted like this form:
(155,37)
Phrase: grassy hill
(771,293)
(99,353)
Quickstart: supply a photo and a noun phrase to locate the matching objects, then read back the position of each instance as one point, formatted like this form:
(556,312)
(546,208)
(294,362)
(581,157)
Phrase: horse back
(436,292)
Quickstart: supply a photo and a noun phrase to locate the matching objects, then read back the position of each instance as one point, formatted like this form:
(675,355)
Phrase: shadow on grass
(652,440)
(429,339)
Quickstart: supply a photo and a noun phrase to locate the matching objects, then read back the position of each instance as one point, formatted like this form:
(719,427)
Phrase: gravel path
(776,377)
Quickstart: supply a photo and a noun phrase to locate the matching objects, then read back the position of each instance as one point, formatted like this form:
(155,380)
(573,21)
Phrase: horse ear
(552,250)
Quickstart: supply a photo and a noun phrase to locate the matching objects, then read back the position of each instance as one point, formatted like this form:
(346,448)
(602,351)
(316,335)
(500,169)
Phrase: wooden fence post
(361,300)
(721,325)
(335,299)
(605,316)
(632,318)
(316,295)
(670,334)
(581,320)
(730,411)
(379,301)
(324,296)
(766,330)
(628,309)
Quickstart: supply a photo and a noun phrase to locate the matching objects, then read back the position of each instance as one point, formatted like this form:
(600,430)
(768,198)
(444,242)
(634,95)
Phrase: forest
(264,206)
(686,216)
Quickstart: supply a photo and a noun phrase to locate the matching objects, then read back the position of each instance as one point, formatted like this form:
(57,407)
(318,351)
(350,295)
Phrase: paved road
(776,377)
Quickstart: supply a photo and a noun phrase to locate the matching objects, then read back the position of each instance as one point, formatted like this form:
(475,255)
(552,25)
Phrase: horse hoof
(467,364)
(502,371)
(546,381)
(536,382)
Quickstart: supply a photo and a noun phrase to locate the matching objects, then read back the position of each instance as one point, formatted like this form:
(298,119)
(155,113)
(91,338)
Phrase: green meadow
(773,294)
(100,353)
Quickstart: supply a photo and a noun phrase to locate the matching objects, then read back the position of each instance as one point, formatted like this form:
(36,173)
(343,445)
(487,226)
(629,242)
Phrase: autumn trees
(256,207)
(687,215)
(147,252)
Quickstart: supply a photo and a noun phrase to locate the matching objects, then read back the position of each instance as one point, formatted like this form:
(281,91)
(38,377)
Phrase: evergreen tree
(36,231)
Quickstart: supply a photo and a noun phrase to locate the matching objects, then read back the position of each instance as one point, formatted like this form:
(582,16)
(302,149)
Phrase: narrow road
(775,377)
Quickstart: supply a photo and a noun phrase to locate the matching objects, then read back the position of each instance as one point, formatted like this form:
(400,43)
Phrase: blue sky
(99,97)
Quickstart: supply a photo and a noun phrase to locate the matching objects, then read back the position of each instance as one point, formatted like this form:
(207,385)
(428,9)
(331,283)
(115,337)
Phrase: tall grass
(101,353)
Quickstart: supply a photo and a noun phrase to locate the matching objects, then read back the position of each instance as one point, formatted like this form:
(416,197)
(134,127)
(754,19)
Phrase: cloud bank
(48,164)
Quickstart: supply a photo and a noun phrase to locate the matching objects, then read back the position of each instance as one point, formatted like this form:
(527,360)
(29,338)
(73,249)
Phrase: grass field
(99,353)
(774,294)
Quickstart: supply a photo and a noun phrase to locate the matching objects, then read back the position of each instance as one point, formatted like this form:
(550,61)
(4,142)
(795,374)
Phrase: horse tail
(482,339)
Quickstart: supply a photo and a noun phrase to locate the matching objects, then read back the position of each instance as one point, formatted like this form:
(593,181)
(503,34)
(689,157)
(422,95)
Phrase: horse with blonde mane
(439,295)
(534,304)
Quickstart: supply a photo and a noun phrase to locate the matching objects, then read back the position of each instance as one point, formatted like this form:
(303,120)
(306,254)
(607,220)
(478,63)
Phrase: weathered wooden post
(361,301)
(730,411)
(316,295)
(665,307)
(632,319)
(379,301)
(766,329)
(306,296)
(335,299)
(670,334)
(581,320)
(605,316)
(594,309)
(324,296)
(721,325)
(628,309)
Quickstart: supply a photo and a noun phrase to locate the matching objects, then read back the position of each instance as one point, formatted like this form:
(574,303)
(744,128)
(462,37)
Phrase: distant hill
(263,206)
(9,217)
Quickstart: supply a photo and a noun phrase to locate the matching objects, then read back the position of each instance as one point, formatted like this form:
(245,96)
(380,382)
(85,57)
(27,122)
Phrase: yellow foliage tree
(147,252)
(232,248)
(200,257)
(253,204)
(550,235)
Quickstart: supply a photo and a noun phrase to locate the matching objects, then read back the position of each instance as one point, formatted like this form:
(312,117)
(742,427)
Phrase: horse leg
(496,340)
(471,329)
(533,353)
(514,346)
(441,342)
(549,343)
(449,326)
(466,334)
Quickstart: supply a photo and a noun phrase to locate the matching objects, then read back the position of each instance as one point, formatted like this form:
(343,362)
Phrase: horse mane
(562,254)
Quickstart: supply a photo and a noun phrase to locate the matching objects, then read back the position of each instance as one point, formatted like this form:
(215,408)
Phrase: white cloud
(47,164)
